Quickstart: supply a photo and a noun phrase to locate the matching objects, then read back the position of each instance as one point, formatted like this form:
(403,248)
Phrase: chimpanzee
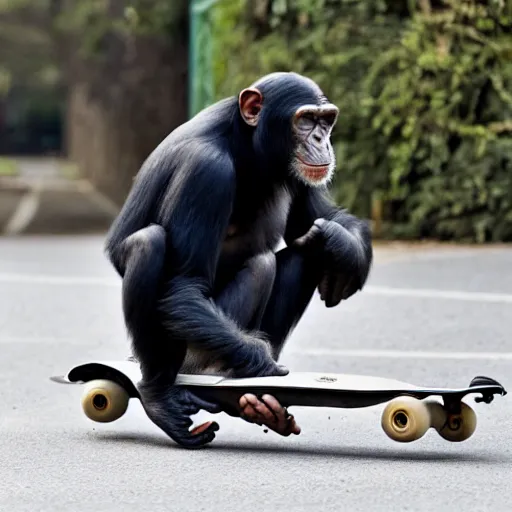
(205,289)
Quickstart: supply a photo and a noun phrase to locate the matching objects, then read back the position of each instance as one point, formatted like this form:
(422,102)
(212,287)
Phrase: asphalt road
(60,305)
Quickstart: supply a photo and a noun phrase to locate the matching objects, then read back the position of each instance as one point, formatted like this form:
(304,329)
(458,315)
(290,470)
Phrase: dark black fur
(198,299)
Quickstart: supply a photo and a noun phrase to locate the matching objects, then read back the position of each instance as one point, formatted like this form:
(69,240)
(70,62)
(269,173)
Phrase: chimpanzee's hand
(345,266)
(261,369)
(171,408)
(269,412)
(265,410)
(254,359)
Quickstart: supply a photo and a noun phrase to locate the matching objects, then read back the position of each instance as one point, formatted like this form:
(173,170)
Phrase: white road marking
(321,352)
(438,294)
(24,213)
(401,354)
(385,291)
(58,280)
(331,353)
(33,340)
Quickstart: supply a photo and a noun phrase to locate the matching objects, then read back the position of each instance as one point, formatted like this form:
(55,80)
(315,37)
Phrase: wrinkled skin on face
(314,161)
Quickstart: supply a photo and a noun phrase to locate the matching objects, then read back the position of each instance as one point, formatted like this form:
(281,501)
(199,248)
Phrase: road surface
(429,316)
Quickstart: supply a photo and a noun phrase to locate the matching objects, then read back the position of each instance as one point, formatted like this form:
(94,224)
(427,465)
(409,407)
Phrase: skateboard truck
(486,397)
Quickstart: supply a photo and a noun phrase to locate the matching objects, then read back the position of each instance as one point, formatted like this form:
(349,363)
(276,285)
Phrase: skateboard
(407,416)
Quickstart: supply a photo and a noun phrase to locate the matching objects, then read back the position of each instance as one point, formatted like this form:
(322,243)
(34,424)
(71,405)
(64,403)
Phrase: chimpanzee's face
(314,161)
(286,101)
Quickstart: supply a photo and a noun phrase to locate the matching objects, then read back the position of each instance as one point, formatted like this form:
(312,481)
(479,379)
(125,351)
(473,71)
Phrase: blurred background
(424,141)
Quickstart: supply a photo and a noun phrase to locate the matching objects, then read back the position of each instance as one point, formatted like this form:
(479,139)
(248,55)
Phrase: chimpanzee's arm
(344,239)
(195,215)
(311,204)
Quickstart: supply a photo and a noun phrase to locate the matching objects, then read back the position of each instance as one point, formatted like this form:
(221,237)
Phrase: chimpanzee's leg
(271,292)
(245,297)
(298,274)
(142,258)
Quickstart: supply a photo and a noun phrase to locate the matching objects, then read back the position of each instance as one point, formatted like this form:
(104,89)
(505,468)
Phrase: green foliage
(425,97)
(25,45)
(5,80)
(441,105)
(30,78)
(95,21)
(8,167)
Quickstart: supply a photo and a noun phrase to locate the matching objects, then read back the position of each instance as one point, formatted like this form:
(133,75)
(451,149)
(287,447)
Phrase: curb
(52,206)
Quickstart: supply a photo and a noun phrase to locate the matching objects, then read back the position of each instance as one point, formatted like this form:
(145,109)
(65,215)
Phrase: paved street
(431,317)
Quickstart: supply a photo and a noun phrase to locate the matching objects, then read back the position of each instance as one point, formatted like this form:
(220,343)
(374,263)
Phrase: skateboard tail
(61,379)
(124,373)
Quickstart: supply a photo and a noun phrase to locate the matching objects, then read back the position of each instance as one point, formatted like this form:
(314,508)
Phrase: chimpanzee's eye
(307,121)
(329,118)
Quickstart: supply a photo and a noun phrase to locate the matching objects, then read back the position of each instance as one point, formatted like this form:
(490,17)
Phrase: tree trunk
(120,108)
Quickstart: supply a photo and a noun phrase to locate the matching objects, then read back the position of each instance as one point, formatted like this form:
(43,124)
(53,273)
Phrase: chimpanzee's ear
(250,102)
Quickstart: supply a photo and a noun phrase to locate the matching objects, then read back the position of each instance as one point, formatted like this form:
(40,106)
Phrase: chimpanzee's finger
(323,287)
(253,410)
(313,232)
(285,422)
(209,425)
(338,286)
(198,437)
(350,288)
(248,412)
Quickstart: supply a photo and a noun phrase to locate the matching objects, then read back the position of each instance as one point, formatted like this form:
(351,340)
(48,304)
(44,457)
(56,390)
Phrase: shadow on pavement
(344,452)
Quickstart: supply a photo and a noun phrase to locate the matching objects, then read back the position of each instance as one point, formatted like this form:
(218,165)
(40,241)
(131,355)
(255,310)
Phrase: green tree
(424,93)
(29,77)
(441,104)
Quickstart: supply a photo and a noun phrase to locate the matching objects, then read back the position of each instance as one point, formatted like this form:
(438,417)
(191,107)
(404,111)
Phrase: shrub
(425,96)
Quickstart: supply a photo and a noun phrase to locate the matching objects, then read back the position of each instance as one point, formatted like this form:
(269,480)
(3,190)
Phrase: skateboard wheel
(454,427)
(104,401)
(405,419)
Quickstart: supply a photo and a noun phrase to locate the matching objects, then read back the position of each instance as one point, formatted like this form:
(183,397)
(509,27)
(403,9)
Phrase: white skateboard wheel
(104,401)
(405,419)
(453,427)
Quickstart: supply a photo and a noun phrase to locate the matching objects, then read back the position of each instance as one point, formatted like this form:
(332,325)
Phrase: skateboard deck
(109,385)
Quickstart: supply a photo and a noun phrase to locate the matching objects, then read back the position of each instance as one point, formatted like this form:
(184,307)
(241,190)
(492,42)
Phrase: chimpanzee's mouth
(314,167)
(314,172)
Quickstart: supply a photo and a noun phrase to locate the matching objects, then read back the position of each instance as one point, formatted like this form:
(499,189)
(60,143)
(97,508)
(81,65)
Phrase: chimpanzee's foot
(269,412)
(170,409)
